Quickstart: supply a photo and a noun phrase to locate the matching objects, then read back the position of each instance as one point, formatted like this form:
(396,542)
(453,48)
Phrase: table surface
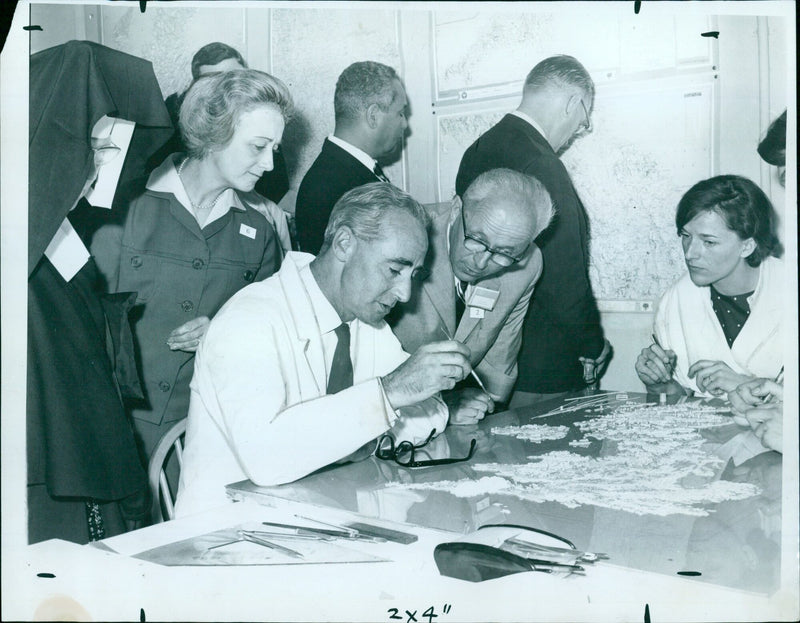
(118,580)
(732,543)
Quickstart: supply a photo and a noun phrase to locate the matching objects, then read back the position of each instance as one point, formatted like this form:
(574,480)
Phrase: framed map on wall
(629,172)
(480,53)
(654,123)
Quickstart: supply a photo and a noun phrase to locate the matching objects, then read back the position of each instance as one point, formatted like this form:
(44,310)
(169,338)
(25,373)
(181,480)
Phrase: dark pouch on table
(476,562)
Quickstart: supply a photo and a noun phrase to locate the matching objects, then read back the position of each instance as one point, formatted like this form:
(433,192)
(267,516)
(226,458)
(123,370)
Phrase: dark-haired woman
(720,324)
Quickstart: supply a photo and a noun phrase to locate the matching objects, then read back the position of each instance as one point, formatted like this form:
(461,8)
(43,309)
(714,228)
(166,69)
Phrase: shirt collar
(529,120)
(165,179)
(359,154)
(326,315)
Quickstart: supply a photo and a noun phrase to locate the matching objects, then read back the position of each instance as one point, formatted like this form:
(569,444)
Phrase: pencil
(769,397)
(655,341)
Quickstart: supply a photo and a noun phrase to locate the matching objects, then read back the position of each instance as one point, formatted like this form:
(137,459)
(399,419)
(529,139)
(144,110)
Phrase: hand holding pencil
(469,405)
(431,369)
(655,365)
(471,371)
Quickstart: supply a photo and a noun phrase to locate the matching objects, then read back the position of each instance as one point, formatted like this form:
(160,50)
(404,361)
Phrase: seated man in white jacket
(263,402)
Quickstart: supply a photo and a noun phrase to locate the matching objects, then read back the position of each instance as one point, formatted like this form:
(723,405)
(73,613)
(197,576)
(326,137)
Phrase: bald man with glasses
(479,275)
(563,347)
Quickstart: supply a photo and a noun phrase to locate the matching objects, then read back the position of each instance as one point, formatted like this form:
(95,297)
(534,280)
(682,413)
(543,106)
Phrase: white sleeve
(668,329)
(414,422)
(240,380)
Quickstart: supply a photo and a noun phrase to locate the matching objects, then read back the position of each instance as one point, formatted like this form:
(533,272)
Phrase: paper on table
(223,547)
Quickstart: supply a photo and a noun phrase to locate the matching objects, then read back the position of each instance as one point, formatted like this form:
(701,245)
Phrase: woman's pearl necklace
(198,208)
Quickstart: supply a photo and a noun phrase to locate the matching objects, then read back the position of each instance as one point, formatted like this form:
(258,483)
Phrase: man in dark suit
(563,347)
(370,108)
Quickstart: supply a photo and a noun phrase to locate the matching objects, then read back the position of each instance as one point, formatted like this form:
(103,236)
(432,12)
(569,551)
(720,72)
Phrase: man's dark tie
(461,293)
(341,376)
(380,174)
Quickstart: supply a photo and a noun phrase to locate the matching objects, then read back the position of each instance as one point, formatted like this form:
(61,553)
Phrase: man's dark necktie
(380,174)
(341,376)
(461,293)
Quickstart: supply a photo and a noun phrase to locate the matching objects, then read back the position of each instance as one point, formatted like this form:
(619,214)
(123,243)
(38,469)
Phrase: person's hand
(655,366)
(188,336)
(715,377)
(602,360)
(468,405)
(434,367)
(751,394)
(593,369)
(767,424)
(742,399)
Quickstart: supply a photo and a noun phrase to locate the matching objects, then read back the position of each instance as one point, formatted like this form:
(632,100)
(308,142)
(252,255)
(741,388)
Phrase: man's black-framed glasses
(404,452)
(476,245)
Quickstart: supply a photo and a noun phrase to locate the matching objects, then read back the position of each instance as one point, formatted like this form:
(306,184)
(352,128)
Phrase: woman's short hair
(213,53)
(743,206)
(772,148)
(215,102)
(364,208)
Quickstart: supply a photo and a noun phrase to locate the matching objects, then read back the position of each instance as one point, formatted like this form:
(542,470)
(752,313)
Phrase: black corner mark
(142,617)
(637,6)
(6,17)
(29,28)
(45,574)
(710,33)
(647,613)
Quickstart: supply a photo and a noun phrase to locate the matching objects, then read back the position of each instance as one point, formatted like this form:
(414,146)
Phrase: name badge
(246,230)
(476,312)
(482,298)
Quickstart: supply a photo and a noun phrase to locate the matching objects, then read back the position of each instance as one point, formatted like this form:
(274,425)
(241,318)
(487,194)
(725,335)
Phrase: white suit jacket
(686,323)
(258,405)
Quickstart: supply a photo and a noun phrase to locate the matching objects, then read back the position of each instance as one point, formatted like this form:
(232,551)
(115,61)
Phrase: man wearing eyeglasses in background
(563,348)
(480,274)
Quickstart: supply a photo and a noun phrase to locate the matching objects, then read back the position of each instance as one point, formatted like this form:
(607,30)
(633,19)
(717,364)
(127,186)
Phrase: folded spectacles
(404,452)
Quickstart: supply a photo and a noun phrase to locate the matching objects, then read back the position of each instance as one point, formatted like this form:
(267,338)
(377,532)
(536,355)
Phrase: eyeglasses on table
(404,453)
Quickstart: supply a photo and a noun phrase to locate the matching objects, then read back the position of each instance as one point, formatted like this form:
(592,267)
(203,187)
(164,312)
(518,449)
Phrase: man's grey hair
(515,187)
(215,102)
(364,208)
(361,85)
(561,71)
